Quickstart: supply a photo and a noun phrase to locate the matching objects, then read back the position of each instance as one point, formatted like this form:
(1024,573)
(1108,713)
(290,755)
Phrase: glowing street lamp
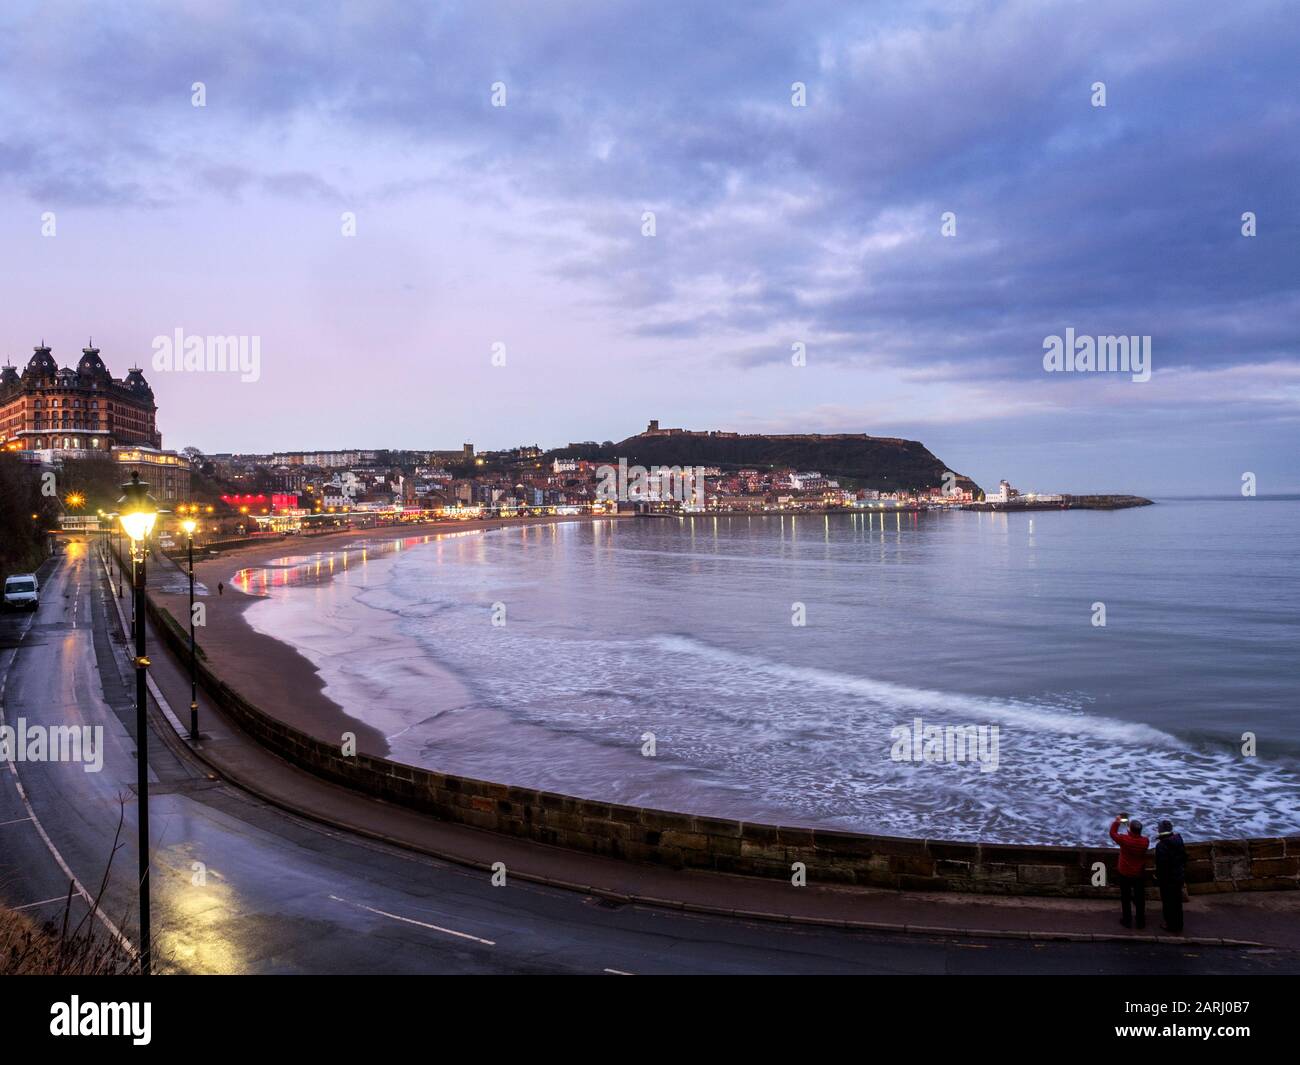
(189,525)
(138,512)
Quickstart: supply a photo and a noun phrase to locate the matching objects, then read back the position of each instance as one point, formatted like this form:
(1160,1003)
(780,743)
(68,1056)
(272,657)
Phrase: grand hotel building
(52,413)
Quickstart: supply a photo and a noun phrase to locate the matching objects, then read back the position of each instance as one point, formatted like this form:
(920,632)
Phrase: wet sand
(275,676)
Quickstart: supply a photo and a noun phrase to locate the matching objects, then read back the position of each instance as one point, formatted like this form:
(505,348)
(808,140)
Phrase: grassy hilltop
(877,462)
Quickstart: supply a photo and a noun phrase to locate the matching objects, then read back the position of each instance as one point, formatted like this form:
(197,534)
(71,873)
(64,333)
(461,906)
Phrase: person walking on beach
(1171,867)
(1132,870)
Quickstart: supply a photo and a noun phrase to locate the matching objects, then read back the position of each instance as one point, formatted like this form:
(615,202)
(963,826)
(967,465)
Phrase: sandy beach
(274,675)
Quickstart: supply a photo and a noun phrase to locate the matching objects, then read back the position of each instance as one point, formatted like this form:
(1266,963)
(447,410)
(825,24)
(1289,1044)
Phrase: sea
(1011,677)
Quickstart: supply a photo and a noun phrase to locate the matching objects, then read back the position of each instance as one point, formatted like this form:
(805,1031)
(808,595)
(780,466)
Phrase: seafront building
(1004,494)
(49,414)
(86,408)
(1007,494)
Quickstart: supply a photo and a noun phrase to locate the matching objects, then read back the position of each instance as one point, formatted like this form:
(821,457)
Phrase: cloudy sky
(522,225)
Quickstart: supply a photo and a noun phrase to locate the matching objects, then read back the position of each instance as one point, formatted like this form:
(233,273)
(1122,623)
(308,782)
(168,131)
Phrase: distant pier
(1103,502)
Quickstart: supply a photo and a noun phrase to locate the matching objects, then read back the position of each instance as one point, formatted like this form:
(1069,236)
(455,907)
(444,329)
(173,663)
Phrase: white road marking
(15,821)
(411,920)
(619,972)
(43,902)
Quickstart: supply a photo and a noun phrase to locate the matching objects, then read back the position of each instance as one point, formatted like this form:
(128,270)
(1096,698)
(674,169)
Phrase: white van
(22,592)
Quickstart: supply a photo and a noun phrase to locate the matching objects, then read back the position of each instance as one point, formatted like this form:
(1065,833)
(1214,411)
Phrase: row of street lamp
(137,515)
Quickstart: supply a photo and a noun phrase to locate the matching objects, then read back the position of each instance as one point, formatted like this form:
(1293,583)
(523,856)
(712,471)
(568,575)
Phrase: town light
(139,509)
(189,525)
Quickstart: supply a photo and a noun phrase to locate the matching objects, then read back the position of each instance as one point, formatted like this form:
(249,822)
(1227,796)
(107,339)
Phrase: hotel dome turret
(91,367)
(41,364)
(136,383)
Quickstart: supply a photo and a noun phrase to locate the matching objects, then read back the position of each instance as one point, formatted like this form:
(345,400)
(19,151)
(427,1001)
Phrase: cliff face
(879,462)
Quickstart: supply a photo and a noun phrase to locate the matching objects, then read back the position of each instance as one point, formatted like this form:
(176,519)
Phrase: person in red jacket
(1132,870)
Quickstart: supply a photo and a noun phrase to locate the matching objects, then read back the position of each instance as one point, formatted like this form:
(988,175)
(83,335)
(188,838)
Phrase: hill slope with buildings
(874,462)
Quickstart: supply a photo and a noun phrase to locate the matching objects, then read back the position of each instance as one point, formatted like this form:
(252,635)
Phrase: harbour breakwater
(1066,502)
(686,841)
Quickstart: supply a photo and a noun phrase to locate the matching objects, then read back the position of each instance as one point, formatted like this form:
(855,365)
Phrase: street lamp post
(138,514)
(189,525)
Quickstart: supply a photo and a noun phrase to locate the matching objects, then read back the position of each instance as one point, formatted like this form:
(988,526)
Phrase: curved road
(242,887)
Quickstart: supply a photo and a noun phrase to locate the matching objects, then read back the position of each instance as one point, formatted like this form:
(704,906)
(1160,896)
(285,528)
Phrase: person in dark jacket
(1171,867)
(1131,871)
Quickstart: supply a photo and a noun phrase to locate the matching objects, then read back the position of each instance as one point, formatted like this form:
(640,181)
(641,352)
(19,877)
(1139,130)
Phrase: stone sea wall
(747,848)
